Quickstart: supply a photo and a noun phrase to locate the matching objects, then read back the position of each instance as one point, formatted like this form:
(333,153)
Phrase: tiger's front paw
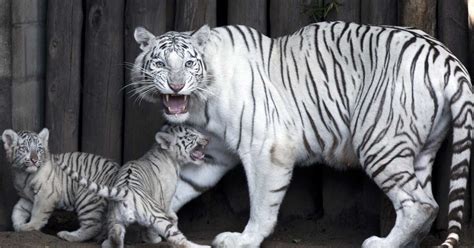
(234,239)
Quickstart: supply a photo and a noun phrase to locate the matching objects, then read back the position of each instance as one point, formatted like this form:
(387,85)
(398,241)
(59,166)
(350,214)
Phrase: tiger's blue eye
(189,63)
(159,64)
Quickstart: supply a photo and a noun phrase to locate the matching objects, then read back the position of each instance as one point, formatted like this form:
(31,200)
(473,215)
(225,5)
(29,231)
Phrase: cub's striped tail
(111,193)
(461,100)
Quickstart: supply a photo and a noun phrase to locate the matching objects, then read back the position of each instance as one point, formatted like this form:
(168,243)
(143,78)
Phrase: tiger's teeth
(183,108)
(167,98)
(185,97)
(169,109)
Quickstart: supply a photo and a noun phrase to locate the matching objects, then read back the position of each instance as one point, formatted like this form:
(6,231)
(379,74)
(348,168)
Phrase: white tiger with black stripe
(43,186)
(143,189)
(376,97)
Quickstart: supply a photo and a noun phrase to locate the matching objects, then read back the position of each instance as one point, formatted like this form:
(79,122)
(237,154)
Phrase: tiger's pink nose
(176,87)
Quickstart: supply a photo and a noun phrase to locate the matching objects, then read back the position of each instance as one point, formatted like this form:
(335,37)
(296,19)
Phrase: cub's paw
(27,227)
(375,242)
(70,236)
(190,244)
(234,239)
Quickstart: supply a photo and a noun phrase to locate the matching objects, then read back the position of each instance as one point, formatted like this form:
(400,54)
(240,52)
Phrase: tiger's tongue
(175,104)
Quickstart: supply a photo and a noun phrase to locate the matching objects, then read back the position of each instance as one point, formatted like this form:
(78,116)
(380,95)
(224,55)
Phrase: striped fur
(143,188)
(348,95)
(43,187)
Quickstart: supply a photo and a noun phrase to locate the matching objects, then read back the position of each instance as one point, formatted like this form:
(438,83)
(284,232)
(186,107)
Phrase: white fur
(326,109)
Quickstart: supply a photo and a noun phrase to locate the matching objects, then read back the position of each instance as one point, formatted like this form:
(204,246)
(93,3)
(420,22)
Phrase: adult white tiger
(344,94)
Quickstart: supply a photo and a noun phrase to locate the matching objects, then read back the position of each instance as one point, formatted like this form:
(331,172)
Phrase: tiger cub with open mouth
(144,188)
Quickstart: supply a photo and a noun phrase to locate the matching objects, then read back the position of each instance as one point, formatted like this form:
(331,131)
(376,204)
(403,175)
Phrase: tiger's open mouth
(175,104)
(198,152)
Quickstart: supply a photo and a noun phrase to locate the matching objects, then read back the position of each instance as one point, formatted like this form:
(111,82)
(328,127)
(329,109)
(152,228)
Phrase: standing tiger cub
(43,186)
(144,188)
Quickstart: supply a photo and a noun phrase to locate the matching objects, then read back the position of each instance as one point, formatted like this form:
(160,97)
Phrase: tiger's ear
(143,37)
(44,136)
(165,140)
(10,139)
(202,35)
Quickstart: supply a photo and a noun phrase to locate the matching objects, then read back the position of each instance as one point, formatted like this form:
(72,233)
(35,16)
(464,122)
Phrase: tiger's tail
(111,193)
(461,100)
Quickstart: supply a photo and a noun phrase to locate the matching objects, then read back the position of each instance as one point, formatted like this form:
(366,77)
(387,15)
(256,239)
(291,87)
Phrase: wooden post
(143,119)
(348,11)
(7,192)
(378,12)
(63,79)
(453,32)
(191,15)
(252,13)
(418,13)
(103,78)
(28,63)
(287,16)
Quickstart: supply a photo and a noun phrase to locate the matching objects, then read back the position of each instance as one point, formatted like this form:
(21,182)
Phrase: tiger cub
(43,186)
(144,188)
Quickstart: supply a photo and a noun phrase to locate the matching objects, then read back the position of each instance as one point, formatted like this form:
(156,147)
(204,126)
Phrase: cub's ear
(165,140)
(143,37)
(10,139)
(44,136)
(202,35)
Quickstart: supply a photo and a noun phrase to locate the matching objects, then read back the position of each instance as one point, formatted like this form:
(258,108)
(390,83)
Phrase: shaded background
(62,65)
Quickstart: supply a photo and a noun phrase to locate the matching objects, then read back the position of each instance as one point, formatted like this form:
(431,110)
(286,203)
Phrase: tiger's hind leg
(394,173)
(90,214)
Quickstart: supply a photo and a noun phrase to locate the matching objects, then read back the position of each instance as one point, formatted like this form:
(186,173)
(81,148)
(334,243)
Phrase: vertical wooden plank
(379,12)
(252,13)
(191,15)
(7,192)
(63,79)
(287,16)
(28,63)
(453,32)
(348,11)
(143,119)
(103,78)
(418,13)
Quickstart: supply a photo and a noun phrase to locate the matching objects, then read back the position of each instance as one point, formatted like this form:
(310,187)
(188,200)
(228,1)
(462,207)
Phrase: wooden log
(7,192)
(379,12)
(420,14)
(287,16)
(453,32)
(102,98)
(248,12)
(63,76)
(192,14)
(28,63)
(348,11)
(141,120)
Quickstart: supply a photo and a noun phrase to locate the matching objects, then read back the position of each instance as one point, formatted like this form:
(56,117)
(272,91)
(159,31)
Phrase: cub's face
(186,143)
(26,150)
(170,68)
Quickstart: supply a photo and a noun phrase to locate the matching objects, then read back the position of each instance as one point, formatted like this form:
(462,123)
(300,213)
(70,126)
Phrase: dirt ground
(291,234)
